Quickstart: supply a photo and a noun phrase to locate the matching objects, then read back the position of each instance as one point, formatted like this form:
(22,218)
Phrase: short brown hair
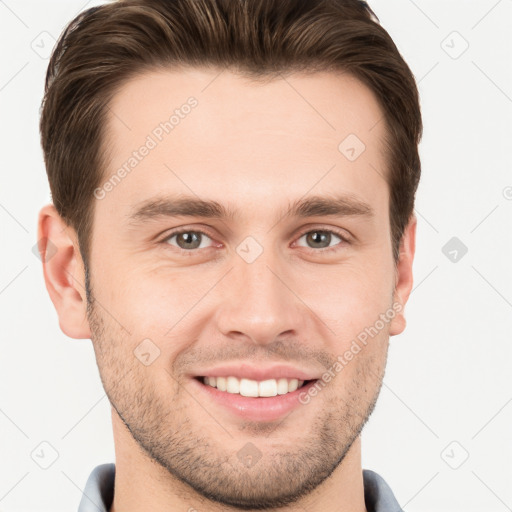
(106,45)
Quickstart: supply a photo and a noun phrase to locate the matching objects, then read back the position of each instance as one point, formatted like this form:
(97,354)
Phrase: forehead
(210,133)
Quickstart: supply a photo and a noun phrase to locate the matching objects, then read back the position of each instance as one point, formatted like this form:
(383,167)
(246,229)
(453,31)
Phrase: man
(232,224)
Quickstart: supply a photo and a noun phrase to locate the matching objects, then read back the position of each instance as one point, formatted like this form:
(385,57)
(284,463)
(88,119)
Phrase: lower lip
(255,408)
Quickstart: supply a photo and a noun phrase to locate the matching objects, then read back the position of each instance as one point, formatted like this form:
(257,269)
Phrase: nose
(258,301)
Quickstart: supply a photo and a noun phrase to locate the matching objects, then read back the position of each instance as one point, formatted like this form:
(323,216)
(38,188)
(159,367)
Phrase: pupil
(320,235)
(188,239)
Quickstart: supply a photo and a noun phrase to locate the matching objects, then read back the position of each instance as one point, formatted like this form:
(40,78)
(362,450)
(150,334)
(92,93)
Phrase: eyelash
(191,252)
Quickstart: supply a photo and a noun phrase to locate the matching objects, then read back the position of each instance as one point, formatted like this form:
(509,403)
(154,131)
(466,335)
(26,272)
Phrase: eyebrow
(190,206)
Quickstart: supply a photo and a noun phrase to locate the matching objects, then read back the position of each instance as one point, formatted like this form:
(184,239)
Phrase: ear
(404,277)
(63,271)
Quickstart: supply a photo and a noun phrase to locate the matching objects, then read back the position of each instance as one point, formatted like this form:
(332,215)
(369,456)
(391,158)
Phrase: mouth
(259,401)
(253,388)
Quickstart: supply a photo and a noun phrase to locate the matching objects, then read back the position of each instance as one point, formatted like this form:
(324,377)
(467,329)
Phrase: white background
(447,393)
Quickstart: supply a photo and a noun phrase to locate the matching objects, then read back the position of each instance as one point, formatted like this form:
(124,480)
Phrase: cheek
(141,298)
(350,299)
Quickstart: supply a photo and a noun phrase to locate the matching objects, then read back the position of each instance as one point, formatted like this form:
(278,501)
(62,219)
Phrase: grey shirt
(99,491)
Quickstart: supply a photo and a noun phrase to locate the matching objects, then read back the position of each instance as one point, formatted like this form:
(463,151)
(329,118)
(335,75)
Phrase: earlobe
(404,276)
(63,272)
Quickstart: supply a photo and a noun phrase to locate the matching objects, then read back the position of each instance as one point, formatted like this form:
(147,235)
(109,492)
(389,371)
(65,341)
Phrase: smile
(254,388)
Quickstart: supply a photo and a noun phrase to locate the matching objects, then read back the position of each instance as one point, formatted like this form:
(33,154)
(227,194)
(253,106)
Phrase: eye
(321,238)
(187,240)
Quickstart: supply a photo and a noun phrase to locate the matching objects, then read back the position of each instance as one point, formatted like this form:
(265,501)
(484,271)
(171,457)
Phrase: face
(250,283)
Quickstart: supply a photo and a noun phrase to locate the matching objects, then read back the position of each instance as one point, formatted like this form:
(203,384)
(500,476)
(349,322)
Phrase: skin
(255,147)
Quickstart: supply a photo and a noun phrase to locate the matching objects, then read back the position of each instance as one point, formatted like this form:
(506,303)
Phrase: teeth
(221,383)
(268,387)
(254,388)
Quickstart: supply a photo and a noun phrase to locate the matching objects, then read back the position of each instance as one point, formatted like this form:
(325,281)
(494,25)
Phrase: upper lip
(246,371)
